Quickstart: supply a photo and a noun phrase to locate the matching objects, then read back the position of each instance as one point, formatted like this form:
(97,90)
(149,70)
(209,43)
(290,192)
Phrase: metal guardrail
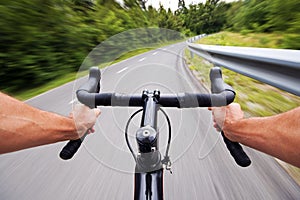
(276,67)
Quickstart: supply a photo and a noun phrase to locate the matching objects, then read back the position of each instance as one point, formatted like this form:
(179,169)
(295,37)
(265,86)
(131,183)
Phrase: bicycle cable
(166,157)
(170,132)
(126,132)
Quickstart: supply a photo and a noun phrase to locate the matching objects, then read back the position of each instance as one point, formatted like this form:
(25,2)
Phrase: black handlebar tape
(71,148)
(91,86)
(237,152)
(235,149)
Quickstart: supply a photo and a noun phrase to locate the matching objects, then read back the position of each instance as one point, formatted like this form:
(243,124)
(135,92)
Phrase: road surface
(103,167)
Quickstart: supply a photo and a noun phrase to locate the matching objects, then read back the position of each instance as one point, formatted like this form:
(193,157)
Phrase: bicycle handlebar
(91,86)
(222,95)
(180,100)
(234,148)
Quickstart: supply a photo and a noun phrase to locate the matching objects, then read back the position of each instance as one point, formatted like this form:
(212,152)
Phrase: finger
(217,129)
(90,131)
(235,104)
(97,111)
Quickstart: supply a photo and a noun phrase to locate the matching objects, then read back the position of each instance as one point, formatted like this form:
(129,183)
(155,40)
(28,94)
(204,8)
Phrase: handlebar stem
(150,109)
(147,135)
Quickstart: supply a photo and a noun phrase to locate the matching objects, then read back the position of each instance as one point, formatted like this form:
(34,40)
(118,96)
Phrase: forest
(42,39)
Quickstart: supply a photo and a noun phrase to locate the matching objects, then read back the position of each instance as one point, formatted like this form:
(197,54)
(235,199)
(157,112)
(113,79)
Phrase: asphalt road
(103,167)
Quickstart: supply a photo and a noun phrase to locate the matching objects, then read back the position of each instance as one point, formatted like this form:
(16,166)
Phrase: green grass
(27,94)
(265,40)
(132,53)
(255,98)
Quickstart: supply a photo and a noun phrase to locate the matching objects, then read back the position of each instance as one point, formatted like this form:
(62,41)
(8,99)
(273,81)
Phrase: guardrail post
(192,54)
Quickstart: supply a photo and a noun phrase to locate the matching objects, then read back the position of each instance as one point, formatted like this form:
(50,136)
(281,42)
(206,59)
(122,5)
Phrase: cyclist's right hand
(84,119)
(224,117)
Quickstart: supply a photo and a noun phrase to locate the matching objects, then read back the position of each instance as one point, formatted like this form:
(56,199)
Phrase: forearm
(28,133)
(278,135)
(22,126)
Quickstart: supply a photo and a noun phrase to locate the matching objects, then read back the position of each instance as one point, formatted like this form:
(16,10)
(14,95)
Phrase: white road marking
(155,53)
(74,100)
(140,60)
(122,70)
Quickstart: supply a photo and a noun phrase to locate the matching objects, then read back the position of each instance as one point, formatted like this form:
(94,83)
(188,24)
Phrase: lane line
(140,60)
(74,100)
(122,70)
(155,53)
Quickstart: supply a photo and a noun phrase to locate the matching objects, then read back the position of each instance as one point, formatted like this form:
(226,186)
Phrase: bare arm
(22,126)
(278,135)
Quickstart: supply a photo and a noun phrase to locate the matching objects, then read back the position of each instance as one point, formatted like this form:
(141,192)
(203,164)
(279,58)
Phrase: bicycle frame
(148,185)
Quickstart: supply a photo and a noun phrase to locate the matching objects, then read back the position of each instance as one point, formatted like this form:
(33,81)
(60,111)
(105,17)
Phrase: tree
(283,15)
(143,4)
(204,18)
(182,10)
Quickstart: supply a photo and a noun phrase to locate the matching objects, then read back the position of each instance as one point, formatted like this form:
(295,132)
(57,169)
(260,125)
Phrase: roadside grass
(132,53)
(27,94)
(256,98)
(262,40)
(143,50)
(67,77)
(70,76)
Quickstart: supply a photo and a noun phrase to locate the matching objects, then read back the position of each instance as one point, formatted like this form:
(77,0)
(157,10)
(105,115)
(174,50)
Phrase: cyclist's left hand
(84,119)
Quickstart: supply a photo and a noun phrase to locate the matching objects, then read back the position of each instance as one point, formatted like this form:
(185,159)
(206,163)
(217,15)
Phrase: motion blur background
(44,42)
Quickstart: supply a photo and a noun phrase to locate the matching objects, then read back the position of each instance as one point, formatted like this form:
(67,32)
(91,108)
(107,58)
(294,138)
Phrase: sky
(173,4)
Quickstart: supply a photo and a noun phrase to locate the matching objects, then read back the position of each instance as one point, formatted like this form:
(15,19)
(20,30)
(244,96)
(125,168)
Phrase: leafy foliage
(203,18)
(264,15)
(44,39)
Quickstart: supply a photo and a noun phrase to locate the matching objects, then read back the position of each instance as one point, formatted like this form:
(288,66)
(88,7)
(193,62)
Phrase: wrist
(244,131)
(61,128)
(231,130)
(67,130)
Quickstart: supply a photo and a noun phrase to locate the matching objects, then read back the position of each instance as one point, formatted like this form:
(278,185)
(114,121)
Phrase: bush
(246,31)
(291,41)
